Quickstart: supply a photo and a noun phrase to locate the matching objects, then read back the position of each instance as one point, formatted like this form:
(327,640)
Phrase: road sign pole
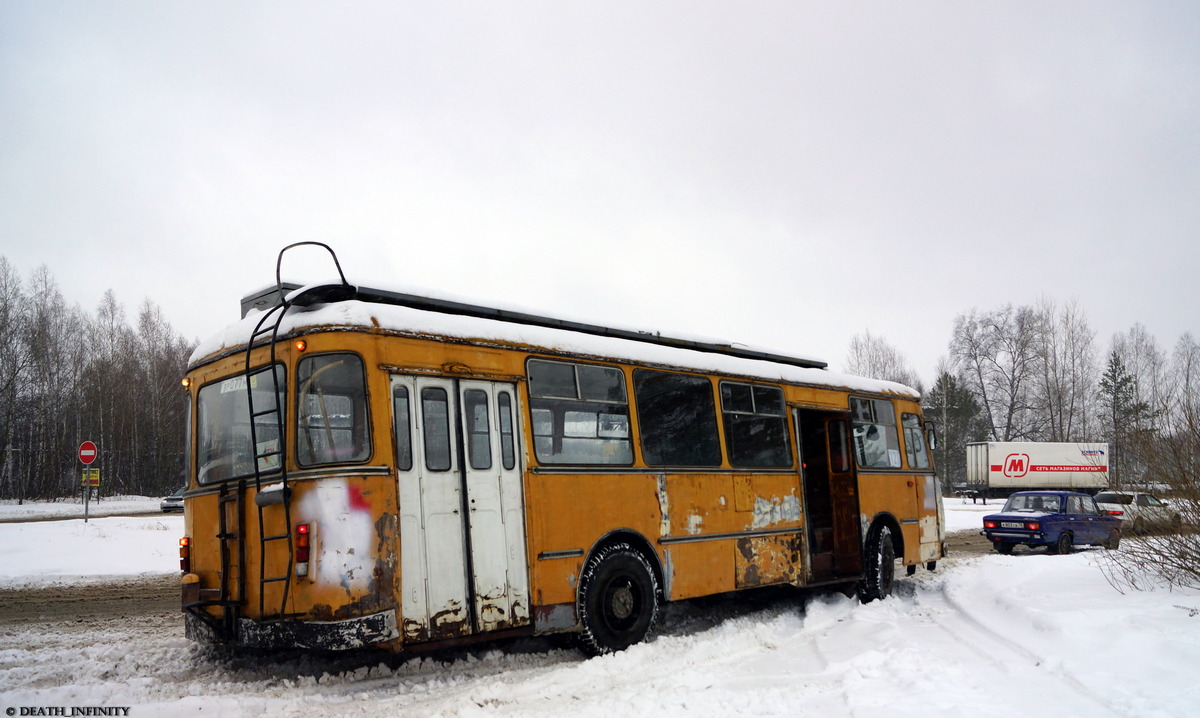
(87,454)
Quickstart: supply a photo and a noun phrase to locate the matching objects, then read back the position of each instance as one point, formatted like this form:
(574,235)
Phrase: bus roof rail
(446,306)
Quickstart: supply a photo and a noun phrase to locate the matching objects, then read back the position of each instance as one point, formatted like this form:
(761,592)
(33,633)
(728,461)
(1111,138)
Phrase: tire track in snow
(1010,656)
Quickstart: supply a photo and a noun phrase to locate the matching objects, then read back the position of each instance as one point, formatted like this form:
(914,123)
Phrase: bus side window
(678,419)
(876,444)
(435,412)
(402,420)
(479,438)
(508,454)
(755,425)
(914,442)
(580,413)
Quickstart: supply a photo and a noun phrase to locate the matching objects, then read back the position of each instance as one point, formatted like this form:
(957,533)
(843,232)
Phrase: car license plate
(1012,525)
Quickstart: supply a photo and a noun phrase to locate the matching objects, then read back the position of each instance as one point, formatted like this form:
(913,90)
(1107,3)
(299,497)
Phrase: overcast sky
(781,174)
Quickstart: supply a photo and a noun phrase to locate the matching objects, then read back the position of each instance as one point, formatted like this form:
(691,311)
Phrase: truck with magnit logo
(999,468)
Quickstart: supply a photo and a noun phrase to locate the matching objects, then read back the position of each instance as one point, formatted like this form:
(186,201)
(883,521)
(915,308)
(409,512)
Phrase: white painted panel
(432,545)
(497,520)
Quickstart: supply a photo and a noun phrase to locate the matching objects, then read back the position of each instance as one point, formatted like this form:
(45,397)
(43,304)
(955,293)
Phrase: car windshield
(1032,502)
(1105,497)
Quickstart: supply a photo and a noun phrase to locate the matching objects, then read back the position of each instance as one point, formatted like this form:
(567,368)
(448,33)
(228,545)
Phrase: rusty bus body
(406,476)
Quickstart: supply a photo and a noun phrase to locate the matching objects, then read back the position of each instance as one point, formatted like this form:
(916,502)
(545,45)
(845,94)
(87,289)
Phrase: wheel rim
(622,602)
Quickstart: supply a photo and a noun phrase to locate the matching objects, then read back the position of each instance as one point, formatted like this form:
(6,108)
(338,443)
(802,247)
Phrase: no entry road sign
(87,452)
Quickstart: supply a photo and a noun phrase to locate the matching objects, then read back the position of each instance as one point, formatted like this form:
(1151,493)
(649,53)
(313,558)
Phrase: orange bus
(377,469)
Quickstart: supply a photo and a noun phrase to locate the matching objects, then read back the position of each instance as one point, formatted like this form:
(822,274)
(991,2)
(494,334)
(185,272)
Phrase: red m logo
(1016,465)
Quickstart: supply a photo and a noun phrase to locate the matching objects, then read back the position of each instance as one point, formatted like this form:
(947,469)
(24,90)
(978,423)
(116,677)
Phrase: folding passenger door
(462,529)
(495,504)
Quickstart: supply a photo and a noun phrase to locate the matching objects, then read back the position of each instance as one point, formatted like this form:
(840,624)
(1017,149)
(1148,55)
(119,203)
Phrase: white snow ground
(985,635)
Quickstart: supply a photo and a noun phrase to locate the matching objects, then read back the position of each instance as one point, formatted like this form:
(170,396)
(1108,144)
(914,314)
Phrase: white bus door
(462,530)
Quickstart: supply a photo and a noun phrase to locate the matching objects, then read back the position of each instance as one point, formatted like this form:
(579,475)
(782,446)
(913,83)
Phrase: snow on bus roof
(410,321)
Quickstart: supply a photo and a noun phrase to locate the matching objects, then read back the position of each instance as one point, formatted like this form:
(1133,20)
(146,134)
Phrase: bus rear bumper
(350,634)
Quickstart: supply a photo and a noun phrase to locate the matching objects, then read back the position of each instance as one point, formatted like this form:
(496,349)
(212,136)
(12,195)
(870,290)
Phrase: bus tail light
(302,537)
(185,554)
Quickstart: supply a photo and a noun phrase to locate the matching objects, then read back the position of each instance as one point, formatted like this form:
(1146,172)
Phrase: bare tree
(1172,459)
(1147,366)
(874,358)
(1066,373)
(998,354)
(66,377)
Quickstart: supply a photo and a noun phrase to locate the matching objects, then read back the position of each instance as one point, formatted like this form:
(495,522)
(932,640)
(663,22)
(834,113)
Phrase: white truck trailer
(996,468)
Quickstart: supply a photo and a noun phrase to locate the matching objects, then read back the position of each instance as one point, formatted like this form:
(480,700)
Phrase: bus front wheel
(618,599)
(879,566)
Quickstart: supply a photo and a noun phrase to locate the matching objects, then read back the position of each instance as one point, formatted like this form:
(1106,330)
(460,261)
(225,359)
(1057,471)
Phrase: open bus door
(830,490)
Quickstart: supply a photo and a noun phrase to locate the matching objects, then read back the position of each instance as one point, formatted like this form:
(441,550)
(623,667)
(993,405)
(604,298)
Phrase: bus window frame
(281,397)
(860,457)
(729,416)
(915,436)
(585,405)
(712,407)
(368,423)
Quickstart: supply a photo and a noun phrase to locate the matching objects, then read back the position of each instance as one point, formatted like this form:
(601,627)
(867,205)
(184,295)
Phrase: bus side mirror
(931,435)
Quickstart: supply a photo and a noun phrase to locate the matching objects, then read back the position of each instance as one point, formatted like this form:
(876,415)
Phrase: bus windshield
(224,442)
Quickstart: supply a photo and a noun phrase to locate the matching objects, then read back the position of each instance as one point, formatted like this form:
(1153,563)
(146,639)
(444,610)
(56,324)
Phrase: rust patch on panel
(768,560)
(450,623)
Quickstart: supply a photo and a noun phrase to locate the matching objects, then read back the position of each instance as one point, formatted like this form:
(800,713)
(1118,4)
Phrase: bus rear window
(225,444)
(333,425)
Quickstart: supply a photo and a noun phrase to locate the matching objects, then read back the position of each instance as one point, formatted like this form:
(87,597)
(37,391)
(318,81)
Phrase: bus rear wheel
(618,600)
(879,566)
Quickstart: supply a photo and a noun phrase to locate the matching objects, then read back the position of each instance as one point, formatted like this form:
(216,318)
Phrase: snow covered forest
(1030,373)
(67,376)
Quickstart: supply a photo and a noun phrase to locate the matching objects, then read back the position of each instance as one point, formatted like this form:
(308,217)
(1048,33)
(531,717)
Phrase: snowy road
(89,618)
(968,639)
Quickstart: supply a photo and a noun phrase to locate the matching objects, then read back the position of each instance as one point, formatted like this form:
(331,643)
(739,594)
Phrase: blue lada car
(1057,520)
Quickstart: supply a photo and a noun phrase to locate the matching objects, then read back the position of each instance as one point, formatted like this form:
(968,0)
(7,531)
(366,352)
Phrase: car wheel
(1063,545)
(1114,540)
(879,566)
(1004,548)
(618,600)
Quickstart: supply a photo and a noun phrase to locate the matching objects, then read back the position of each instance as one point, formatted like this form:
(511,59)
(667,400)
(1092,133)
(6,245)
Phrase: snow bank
(57,551)
(73,508)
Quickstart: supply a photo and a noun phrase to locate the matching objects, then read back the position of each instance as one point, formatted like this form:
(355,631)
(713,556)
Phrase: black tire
(1004,548)
(618,600)
(1113,542)
(1063,545)
(879,566)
